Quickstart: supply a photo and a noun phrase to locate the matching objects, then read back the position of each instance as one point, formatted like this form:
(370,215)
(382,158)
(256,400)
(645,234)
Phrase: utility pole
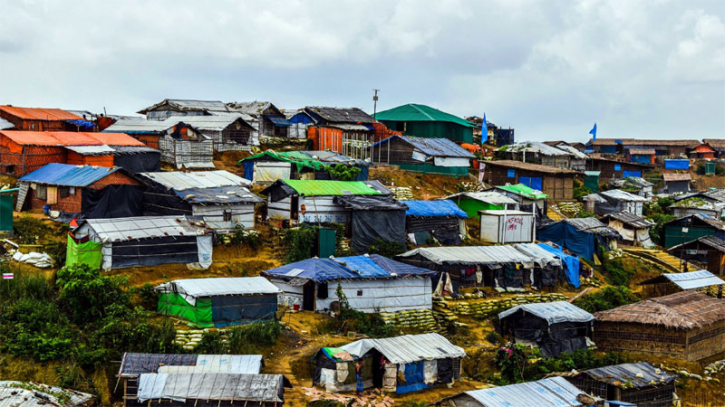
(375,111)
(375,102)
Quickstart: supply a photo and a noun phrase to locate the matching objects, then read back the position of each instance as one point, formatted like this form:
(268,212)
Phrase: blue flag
(593,132)
(484,130)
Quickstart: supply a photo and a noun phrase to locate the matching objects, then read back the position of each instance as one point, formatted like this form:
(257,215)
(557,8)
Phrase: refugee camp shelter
(641,155)
(615,200)
(550,392)
(501,267)
(299,120)
(676,183)
(614,169)
(693,280)
(557,183)
(639,383)
(691,227)
(371,283)
(347,131)
(270,166)
(709,250)
(703,151)
(717,144)
(633,229)
(505,226)
(554,327)
(228,132)
(209,389)
(425,121)
(27,394)
(128,153)
(540,153)
(93,192)
(266,119)
(183,107)
(620,146)
(42,119)
(220,301)
(423,154)
(551,265)
(219,197)
(591,180)
(139,242)
(166,376)
(374,220)
(687,325)
(442,220)
(635,185)
(306,201)
(527,198)
(474,202)
(698,204)
(581,236)
(400,364)
(6,125)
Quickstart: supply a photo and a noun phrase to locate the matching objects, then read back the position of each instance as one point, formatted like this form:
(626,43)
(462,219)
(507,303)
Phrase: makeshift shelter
(581,236)
(528,199)
(547,271)
(185,147)
(425,121)
(219,197)
(228,132)
(591,180)
(661,147)
(614,169)
(179,379)
(501,267)
(691,227)
(92,192)
(139,242)
(558,183)
(374,218)
(639,383)
(473,202)
(703,151)
(615,200)
(551,392)
(633,229)
(219,302)
(717,144)
(183,107)
(347,131)
(569,263)
(270,166)
(42,119)
(709,250)
(554,327)
(266,119)
(371,284)
(642,155)
(306,201)
(400,364)
(687,325)
(442,220)
(698,204)
(504,226)
(693,280)
(637,185)
(676,183)
(426,155)
(300,120)
(27,394)
(541,153)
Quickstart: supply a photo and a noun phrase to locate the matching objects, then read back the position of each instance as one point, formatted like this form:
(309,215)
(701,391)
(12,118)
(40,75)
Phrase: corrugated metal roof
(142,227)
(630,219)
(4,124)
(217,286)
(470,255)
(688,281)
(553,312)
(529,167)
(201,179)
(408,348)
(573,151)
(134,364)
(489,197)
(255,108)
(350,126)
(534,147)
(551,392)
(622,195)
(434,147)
(341,114)
(133,126)
(257,388)
(91,150)
(218,195)
(713,242)
(439,208)
(540,256)
(37,113)
(635,374)
(642,151)
(209,123)
(21,394)
(523,190)
(189,105)
(68,175)
(420,113)
(668,176)
(330,188)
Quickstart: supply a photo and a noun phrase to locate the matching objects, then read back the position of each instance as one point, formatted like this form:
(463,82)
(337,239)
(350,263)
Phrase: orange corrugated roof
(117,139)
(37,113)
(71,138)
(52,138)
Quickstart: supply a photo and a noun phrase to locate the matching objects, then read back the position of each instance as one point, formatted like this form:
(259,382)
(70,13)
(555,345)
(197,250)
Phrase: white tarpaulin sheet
(141,227)
(246,364)
(471,255)
(553,312)
(552,392)
(451,162)
(204,246)
(210,386)
(194,288)
(204,179)
(408,348)
(271,171)
(382,295)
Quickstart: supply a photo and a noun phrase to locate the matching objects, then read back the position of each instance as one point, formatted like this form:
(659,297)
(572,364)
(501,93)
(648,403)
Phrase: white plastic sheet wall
(269,171)
(497,228)
(391,295)
(242,214)
(322,209)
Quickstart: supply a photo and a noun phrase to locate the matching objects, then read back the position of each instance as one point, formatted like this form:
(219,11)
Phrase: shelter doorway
(308,296)
(378,369)
(295,206)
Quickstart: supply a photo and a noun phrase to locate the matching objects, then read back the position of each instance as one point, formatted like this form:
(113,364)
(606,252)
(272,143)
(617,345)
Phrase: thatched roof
(683,310)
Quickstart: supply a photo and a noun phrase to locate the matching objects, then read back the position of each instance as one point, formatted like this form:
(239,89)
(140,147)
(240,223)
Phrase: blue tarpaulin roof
(82,123)
(279,121)
(677,164)
(68,175)
(434,147)
(434,208)
(346,268)
(571,264)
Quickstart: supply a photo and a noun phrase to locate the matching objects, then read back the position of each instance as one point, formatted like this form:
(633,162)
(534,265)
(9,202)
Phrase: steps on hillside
(554,214)
(665,259)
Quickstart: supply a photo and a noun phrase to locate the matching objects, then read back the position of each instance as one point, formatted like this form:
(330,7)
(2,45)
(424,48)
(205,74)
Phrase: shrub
(615,272)
(29,230)
(656,231)
(87,294)
(385,248)
(299,243)
(607,298)
(146,296)
(493,337)
(342,172)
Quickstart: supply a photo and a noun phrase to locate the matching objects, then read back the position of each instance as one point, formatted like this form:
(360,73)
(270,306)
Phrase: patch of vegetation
(242,236)
(615,272)
(245,339)
(63,397)
(342,172)
(360,322)
(299,242)
(656,232)
(385,248)
(605,299)
(30,230)
(585,214)
(493,337)
(580,191)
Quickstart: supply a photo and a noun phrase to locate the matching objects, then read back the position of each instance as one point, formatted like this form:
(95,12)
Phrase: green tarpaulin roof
(295,157)
(420,113)
(524,191)
(326,188)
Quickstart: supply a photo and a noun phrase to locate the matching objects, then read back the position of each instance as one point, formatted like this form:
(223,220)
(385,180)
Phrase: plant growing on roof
(342,172)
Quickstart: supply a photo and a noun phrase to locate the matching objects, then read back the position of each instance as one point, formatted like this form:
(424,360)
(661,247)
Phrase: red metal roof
(68,138)
(116,139)
(37,113)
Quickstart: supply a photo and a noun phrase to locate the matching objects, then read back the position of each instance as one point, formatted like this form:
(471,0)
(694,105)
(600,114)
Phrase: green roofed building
(269,166)
(219,302)
(473,202)
(425,121)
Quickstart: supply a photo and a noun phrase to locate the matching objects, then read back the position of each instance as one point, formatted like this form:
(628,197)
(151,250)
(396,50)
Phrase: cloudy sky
(550,69)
